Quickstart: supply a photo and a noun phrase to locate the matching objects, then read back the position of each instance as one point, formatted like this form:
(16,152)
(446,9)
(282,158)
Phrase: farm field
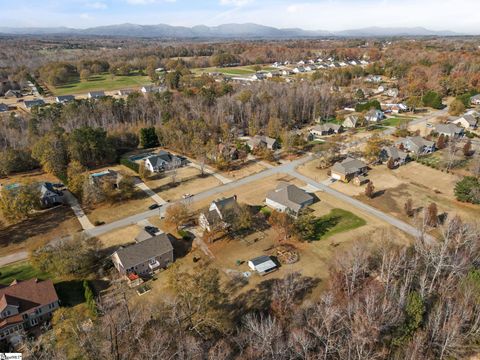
(101,82)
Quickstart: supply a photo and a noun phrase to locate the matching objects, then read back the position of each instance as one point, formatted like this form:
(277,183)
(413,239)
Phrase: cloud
(86,16)
(237,3)
(97,5)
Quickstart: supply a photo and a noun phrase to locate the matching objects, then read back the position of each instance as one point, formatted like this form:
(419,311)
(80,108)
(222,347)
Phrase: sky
(456,15)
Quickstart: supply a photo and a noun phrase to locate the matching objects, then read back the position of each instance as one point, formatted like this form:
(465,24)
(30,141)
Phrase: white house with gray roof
(162,161)
(262,264)
(145,257)
(325,129)
(288,198)
(259,141)
(475,100)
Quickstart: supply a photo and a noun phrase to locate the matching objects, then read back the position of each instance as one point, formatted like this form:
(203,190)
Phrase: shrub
(130,164)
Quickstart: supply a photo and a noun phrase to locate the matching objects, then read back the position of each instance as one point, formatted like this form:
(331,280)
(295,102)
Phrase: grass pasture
(232,71)
(104,82)
(396,121)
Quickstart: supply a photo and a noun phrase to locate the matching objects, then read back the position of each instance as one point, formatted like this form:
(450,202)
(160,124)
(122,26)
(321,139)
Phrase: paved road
(285,168)
(12,258)
(407,228)
(288,168)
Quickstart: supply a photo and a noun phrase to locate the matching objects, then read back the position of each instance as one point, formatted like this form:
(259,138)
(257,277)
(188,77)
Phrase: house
(64,99)
(416,145)
(259,76)
(259,141)
(450,130)
(301,62)
(351,121)
(219,213)
(25,305)
(374,115)
(475,100)
(393,92)
(286,72)
(93,95)
(326,129)
(29,104)
(380,89)
(262,264)
(225,151)
(49,196)
(310,68)
(150,89)
(374,79)
(288,198)
(467,121)
(347,169)
(299,70)
(145,257)
(106,175)
(3,107)
(391,152)
(163,161)
(13,94)
(272,74)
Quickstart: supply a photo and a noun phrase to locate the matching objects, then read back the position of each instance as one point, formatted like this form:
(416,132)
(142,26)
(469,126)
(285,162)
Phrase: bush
(374,104)
(468,190)
(433,100)
(130,164)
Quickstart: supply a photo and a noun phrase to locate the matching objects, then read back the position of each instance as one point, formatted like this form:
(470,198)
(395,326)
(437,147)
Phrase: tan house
(348,169)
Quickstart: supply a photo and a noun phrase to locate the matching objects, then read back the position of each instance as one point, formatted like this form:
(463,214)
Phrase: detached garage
(262,264)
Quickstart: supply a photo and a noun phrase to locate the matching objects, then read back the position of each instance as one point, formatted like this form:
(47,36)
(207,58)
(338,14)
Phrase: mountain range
(225,31)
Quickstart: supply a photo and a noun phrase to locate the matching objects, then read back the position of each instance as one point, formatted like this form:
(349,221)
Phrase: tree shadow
(37,224)
(70,293)
(324,225)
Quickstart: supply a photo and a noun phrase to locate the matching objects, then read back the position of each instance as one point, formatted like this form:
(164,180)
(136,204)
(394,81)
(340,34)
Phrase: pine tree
(369,190)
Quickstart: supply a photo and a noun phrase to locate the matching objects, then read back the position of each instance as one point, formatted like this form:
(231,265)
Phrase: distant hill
(225,31)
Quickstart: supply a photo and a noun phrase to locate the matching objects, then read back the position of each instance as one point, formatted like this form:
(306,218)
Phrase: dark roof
(3,107)
(31,103)
(65,98)
(96,94)
(260,260)
(395,153)
(143,251)
(289,195)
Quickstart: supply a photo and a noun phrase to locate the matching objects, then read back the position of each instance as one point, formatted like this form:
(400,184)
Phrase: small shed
(360,180)
(262,264)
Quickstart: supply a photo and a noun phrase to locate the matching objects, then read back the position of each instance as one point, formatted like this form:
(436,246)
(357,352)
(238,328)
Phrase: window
(153,261)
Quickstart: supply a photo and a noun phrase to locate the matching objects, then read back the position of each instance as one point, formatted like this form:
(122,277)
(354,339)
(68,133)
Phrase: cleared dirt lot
(249,168)
(188,181)
(420,183)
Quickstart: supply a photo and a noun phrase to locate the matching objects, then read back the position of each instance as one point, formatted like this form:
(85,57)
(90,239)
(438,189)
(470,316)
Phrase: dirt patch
(243,170)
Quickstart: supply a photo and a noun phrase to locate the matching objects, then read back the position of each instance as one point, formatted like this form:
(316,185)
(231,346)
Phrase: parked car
(154,206)
(152,230)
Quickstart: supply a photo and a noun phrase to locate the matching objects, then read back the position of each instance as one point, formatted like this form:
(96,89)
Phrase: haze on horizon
(333,15)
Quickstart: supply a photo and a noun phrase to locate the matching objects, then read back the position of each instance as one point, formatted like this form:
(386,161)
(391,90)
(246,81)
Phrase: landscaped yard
(19,271)
(338,221)
(104,82)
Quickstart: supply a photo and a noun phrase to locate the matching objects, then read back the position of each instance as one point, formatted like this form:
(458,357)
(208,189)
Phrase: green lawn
(395,121)
(337,221)
(233,71)
(104,82)
(20,271)
(70,292)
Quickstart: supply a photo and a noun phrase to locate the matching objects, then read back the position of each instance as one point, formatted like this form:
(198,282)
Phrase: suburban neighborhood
(273,193)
